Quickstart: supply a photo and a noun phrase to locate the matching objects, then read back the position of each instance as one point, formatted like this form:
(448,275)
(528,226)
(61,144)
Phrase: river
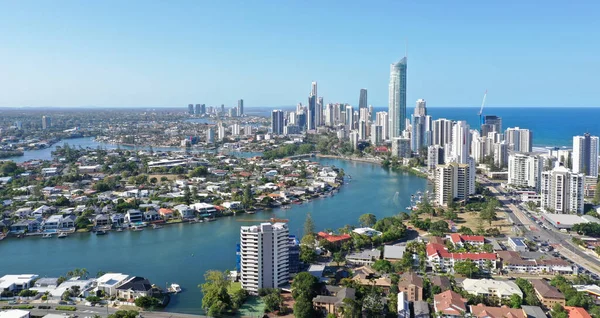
(182,253)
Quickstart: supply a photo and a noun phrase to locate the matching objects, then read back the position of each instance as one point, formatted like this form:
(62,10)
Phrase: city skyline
(88,56)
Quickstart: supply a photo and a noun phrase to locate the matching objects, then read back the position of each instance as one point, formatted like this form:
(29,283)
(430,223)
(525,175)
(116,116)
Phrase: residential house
(577,312)
(449,304)
(23,212)
(23,226)
(421,309)
(439,258)
(48,282)
(134,216)
(117,219)
(166,214)
(42,210)
(101,220)
(151,215)
(53,222)
(14,313)
(592,290)
(67,222)
(134,287)
(109,282)
(185,211)
(204,209)
(366,231)
(534,312)
(365,257)
(482,311)
(442,282)
(16,283)
(514,262)
(367,276)
(459,240)
(333,300)
(393,252)
(335,239)
(547,294)
(501,289)
(411,284)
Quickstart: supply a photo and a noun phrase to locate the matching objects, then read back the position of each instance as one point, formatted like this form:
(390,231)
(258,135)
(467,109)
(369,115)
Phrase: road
(561,242)
(91,311)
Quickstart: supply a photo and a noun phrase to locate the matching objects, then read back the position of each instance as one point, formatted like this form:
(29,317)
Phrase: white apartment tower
(461,141)
(264,256)
(453,181)
(585,155)
(442,132)
(562,191)
(519,139)
(524,170)
(382,119)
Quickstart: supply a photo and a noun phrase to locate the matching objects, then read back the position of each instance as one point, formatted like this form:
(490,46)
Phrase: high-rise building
(562,191)
(382,119)
(329,115)
(354,138)
(363,114)
(585,155)
(277,122)
(312,108)
(500,154)
(221,131)
(46,122)
(210,136)
(240,107)
(442,132)
(362,100)
(235,129)
(222,109)
(376,135)
(264,256)
(452,181)
(421,108)
(461,141)
(349,121)
(519,139)
(248,130)
(478,146)
(401,147)
(418,135)
(202,109)
(191,109)
(319,120)
(397,98)
(362,130)
(198,109)
(233,112)
(524,170)
(435,157)
(491,123)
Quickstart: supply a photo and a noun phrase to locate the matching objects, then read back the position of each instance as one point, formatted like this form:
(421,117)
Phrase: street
(90,311)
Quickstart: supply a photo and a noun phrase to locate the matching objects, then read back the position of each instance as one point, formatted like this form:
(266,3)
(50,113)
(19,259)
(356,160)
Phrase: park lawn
(171,177)
(253,307)
(233,287)
(471,220)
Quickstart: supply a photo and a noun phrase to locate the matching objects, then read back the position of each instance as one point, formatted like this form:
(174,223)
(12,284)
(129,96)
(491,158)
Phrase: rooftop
(546,290)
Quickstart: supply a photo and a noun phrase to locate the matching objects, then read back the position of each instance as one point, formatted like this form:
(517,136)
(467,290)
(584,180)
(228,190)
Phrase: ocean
(551,126)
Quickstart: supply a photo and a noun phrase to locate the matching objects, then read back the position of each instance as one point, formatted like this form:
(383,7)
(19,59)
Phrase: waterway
(182,253)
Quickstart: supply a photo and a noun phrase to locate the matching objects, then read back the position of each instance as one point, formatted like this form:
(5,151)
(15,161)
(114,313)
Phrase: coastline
(378,162)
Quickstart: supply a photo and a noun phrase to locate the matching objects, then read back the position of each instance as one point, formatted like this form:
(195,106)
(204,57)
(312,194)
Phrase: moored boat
(63,235)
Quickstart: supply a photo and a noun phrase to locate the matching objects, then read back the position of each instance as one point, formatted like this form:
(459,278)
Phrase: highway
(533,231)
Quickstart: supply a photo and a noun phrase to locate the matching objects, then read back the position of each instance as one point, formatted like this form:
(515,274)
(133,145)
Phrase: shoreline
(363,160)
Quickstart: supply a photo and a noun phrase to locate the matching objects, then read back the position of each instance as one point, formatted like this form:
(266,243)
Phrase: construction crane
(481,110)
(271,220)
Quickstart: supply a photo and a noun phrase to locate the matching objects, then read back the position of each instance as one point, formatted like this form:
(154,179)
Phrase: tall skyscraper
(264,256)
(329,115)
(519,139)
(585,155)
(418,133)
(46,122)
(277,122)
(191,109)
(524,170)
(452,181)
(362,100)
(222,108)
(442,132)
(382,119)
(349,121)
(491,123)
(312,108)
(198,109)
(461,141)
(210,135)
(319,113)
(240,107)
(397,98)
(562,191)
(421,108)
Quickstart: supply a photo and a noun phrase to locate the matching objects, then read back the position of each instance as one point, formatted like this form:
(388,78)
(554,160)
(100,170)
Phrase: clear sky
(171,53)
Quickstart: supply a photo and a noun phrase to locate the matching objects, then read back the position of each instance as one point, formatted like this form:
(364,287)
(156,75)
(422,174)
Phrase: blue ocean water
(551,126)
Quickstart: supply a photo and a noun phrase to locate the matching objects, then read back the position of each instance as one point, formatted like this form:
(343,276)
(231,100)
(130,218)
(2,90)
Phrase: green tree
(304,289)
(338,258)
(515,301)
(273,301)
(216,300)
(367,220)
(466,268)
(124,314)
(383,266)
(81,222)
(309,225)
(238,297)
(146,302)
(558,311)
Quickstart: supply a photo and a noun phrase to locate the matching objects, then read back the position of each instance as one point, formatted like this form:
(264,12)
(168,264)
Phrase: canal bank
(182,253)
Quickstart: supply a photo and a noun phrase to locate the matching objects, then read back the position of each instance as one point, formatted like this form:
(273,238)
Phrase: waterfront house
(42,210)
(412,285)
(482,311)
(117,219)
(334,239)
(23,226)
(151,215)
(16,283)
(134,216)
(366,231)
(449,304)
(332,302)
(133,288)
(101,220)
(393,252)
(491,288)
(47,282)
(109,282)
(364,257)
(53,222)
(166,214)
(204,209)
(85,287)
(547,294)
(67,222)
(185,211)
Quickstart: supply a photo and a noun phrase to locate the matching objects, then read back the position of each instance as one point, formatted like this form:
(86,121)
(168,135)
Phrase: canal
(182,253)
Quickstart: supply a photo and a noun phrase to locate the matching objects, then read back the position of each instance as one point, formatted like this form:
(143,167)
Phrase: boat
(156,226)
(119,229)
(101,232)
(137,228)
(174,288)
(209,220)
(63,235)
(47,235)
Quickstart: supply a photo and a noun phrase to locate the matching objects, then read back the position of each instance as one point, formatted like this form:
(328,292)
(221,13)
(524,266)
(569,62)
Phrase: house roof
(485,286)
(534,312)
(136,283)
(483,311)
(441,281)
(334,238)
(434,249)
(458,238)
(546,290)
(393,251)
(577,312)
(410,278)
(421,308)
(449,303)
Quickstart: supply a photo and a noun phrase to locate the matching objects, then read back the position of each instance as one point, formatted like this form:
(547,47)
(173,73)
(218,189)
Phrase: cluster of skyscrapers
(201,109)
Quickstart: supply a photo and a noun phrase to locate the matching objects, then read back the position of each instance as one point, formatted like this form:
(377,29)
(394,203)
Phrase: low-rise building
(333,300)
(365,257)
(489,287)
(459,240)
(16,283)
(592,290)
(517,244)
(412,285)
(134,287)
(577,312)
(134,216)
(421,309)
(440,259)
(15,313)
(449,304)
(109,282)
(547,294)
(483,311)
(393,252)
(367,276)
(514,262)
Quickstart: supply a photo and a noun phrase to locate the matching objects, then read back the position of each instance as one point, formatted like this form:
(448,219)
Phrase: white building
(519,139)
(16,283)
(524,170)
(461,141)
(376,135)
(109,282)
(210,136)
(15,313)
(454,180)
(562,191)
(585,155)
(221,132)
(401,147)
(382,119)
(490,287)
(354,138)
(442,132)
(235,129)
(264,256)
(435,156)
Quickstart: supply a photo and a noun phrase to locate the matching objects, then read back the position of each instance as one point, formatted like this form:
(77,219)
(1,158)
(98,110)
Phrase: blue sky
(171,53)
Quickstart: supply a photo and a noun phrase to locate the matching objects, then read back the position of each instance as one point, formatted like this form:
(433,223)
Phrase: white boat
(175,288)
(156,226)
(62,235)
(119,229)
(47,235)
(137,228)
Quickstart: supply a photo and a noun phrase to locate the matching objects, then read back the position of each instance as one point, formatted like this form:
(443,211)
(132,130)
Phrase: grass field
(471,220)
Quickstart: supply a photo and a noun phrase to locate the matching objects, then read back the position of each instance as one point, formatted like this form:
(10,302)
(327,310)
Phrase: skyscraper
(519,139)
(585,155)
(461,141)
(277,122)
(524,170)
(264,256)
(191,109)
(442,132)
(362,100)
(421,108)
(397,98)
(46,122)
(452,181)
(349,120)
(312,108)
(240,107)
(491,123)
(418,133)
(198,109)
(562,191)
(319,121)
